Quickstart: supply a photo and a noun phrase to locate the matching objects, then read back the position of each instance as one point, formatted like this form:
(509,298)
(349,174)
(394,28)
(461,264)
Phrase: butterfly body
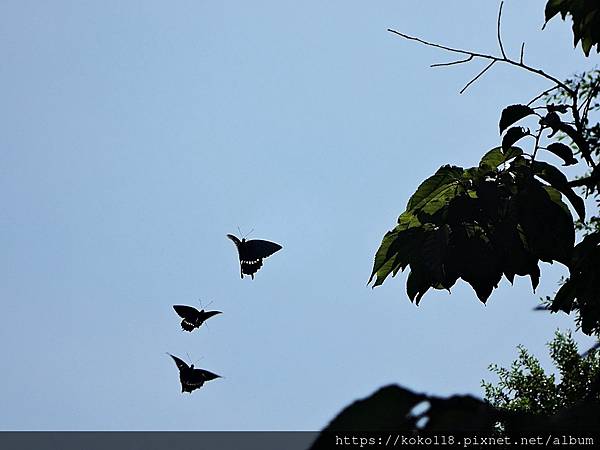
(192,318)
(190,377)
(252,253)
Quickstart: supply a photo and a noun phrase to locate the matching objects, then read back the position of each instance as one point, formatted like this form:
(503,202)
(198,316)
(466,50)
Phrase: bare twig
(522,53)
(537,136)
(499,38)
(488,57)
(453,62)
(543,94)
(592,94)
(577,138)
(489,66)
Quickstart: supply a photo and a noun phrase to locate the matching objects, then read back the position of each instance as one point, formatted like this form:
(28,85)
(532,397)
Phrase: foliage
(525,386)
(581,291)
(506,215)
(499,218)
(586,20)
(396,409)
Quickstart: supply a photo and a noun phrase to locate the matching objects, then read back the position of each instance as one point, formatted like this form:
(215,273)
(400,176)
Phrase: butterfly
(192,318)
(192,379)
(252,253)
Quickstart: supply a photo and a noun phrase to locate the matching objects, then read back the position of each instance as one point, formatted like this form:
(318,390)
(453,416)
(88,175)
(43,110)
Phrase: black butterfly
(192,318)
(192,379)
(252,253)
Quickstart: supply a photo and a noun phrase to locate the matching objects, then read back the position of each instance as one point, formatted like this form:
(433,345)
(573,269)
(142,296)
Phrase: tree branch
(522,53)
(453,62)
(543,94)
(499,38)
(489,66)
(488,57)
(589,181)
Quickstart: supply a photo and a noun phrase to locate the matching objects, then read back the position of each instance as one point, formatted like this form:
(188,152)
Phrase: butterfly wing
(191,317)
(192,380)
(181,364)
(186,312)
(258,249)
(252,252)
(204,315)
(207,375)
(238,245)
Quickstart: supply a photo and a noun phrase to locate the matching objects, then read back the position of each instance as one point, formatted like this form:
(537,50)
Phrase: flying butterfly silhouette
(252,252)
(192,318)
(191,378)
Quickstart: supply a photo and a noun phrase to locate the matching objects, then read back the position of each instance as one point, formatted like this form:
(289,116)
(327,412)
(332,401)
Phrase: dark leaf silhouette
(191,378)
(192,318)
(251,253)
(546,224)
(586,20)
(551,120)
(512,114)
(557,108)
(386,410)
(435,188)
(479,224)
(396,409)
(563,151)
(582,290)
(496,156)
(559,181)
(513,135)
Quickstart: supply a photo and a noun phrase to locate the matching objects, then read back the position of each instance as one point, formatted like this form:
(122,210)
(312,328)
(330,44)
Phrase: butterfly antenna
(239,231)
(248,233)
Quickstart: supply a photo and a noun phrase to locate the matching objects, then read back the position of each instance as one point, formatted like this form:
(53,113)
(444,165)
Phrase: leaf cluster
(395,409)
(581,291)
(586,20)
(525,387)
(497,219)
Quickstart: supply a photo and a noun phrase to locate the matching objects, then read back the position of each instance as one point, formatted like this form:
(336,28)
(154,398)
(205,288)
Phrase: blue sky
(136,135)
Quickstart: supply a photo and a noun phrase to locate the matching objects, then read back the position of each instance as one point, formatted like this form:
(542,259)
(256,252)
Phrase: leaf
(474,260)
(564,298)
(495,157)
(586,45)
(395,251)
(513,257)
(417,284)
(463,208)
(563,151)
(584,250)
(556,197)
(513,135)
(445,179)
(557,108)
(585,17)
(434,250)
(547,227)
(559,181)
(512,114)
(553,7)
(552,120)
(388,409)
